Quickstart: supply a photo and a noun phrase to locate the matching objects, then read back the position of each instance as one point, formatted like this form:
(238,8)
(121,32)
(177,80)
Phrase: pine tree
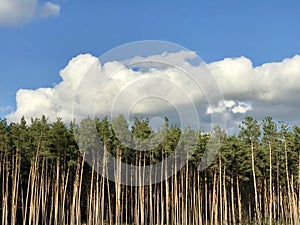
(250,132)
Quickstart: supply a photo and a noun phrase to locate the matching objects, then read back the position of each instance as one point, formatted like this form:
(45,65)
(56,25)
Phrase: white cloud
(49,9)
(16,12)
(13,12)
(230,106)
(271,89)
(57,101)
(112,88)
(238,78)
(241,107)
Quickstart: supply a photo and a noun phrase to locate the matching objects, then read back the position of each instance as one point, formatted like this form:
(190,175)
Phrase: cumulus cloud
(272,88)
(57,101)
(15,12)
(91,87)
(228,106)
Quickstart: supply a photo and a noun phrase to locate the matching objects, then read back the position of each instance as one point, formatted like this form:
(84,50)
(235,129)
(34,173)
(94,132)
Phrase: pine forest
(45,179)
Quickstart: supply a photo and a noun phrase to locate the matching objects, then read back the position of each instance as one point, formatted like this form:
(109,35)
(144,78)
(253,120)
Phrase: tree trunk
(257,212)
(270,186)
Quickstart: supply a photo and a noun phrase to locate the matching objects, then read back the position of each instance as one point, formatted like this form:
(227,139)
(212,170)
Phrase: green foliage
(38,135)
(229,156)
(4,136)
(56,141)
(250,130)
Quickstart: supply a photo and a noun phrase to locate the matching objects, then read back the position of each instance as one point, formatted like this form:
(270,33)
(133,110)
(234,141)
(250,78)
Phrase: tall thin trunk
(270,186)
(118,187)
(298,212)
(239,200)
(205,198)
(15,190)
(232,200)
(290,203)
(220,189)
(225,198)
(257,211)
(213,198)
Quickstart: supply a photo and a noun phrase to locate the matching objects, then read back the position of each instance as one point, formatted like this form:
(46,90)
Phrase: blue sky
(33,53)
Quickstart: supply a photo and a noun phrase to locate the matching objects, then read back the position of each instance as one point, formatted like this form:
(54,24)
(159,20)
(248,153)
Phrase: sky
(39,39)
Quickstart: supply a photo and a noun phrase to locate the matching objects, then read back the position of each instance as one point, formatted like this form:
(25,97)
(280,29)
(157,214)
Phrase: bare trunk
(257,211)
(270,186)
(239,200)
(232,200)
